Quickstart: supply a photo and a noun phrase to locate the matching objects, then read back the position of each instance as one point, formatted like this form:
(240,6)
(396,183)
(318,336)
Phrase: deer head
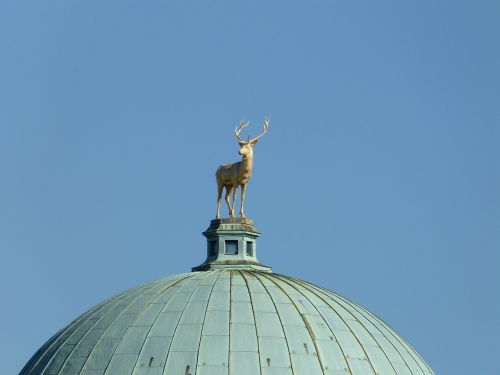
(246,147)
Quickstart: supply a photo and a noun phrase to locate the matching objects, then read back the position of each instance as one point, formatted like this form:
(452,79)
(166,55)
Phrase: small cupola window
(231,247)
(250,248)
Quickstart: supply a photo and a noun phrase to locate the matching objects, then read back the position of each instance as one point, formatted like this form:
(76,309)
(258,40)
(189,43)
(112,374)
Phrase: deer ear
(254,142)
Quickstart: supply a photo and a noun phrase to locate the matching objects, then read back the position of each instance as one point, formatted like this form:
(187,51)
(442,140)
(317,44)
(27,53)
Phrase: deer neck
(246,167)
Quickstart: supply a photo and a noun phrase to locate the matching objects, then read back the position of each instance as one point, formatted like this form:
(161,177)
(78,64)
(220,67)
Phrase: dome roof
(227,321)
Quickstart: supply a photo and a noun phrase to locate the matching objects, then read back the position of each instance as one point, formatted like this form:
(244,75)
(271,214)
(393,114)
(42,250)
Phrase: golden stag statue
(230,176)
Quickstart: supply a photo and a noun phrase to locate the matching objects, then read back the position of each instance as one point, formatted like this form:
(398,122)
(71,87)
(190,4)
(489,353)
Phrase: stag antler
(237,131)
(266,128)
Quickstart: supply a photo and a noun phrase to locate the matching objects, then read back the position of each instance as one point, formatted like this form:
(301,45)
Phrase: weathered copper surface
(227,321)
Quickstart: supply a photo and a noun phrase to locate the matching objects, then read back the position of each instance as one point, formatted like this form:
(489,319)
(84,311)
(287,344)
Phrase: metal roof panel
(227,321)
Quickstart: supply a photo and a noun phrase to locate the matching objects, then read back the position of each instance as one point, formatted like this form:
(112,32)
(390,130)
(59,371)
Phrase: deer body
(236,173)
(231,176)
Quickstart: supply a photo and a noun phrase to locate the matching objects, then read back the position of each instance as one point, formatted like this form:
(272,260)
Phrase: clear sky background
(379,177)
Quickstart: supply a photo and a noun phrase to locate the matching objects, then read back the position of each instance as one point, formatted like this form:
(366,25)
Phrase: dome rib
(49,356)
(233,300)
(400,339)
(160,292)
(118,322)
(336,297)
(247,276)
(300,287)
(111,316)
(304,286)
(348,311)
(390,335)
(224,321)
(203,336)
(51,362)
(239,297)
(171,358)
(306,324)
(402,356)
(116,306)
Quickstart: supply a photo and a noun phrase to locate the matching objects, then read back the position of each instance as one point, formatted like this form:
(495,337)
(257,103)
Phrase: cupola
(231,244)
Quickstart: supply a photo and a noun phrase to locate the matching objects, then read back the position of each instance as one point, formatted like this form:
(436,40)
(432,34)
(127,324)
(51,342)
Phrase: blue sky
(379,177)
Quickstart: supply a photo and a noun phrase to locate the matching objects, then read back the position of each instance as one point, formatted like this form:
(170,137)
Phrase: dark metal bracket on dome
(231,244)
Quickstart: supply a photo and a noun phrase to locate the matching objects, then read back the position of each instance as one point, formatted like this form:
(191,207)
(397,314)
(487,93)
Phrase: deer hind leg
(243,191)
(219,195)
(235,189)
(228,194)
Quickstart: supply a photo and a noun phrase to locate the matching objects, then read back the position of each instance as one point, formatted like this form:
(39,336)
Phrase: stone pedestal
(231,243)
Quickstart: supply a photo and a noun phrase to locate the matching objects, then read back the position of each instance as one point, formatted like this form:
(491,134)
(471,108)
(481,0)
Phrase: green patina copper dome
(229,316)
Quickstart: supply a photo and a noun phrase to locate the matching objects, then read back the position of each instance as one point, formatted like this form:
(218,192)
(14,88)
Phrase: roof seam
(133,297)
(136,295)
(124,332)
(397,337)
(182,314)
(328,292)
(203,323)
(311,286)
(279,318)
(229,324)
(158,295)
(56,337)
(254,320)
(104,306)
(287,280)
(305,323)
(331,330)
(368,331)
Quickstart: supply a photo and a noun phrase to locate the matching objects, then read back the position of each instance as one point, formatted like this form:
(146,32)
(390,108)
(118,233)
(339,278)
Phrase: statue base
(232,224)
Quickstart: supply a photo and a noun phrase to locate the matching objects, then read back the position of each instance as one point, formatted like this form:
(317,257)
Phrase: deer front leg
(235,189)
(243,191)
(219,195)
(228,196)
